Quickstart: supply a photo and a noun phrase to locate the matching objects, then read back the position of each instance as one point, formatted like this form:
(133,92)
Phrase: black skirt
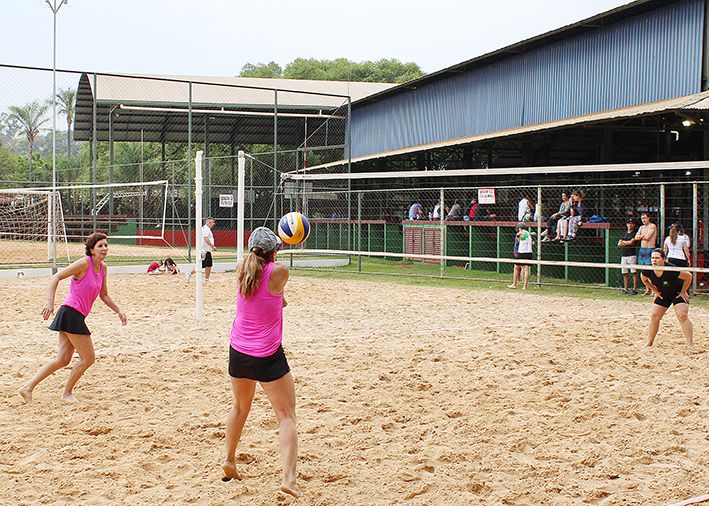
(69,320)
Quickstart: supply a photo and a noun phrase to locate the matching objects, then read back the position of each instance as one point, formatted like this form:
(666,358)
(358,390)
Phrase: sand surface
(405,395)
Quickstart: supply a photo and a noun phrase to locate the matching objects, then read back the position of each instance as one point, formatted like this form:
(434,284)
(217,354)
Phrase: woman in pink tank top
(256,354)
(88,281)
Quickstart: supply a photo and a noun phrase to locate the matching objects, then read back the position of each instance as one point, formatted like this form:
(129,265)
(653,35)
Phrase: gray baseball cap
(264,238)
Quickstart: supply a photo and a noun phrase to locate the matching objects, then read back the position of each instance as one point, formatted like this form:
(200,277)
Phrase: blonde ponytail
(251,272)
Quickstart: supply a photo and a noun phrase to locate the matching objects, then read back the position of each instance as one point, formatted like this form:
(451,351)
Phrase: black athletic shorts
(263,369)
(207,260)
(678,262)
(524,256)
(660,301)
(69,320)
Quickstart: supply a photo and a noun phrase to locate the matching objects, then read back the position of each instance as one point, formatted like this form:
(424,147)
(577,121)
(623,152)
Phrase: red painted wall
(222,238)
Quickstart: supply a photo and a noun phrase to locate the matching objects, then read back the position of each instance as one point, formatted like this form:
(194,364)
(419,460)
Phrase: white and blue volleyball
(294,228)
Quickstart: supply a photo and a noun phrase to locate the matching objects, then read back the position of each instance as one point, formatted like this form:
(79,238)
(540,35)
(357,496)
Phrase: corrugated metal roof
(155,108)
(689,102)
(229,91)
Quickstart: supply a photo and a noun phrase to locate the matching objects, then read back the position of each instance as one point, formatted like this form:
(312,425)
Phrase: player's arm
(686,253)
(278,279)
(649,285)
(76,269)
(685,276)
(108,300)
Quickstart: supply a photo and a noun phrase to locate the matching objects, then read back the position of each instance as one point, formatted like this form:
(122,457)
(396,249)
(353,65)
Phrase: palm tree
(66,102)
(30,120)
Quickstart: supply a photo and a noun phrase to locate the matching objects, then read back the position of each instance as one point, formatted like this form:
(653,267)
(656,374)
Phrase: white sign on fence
(486,195)
(226,200)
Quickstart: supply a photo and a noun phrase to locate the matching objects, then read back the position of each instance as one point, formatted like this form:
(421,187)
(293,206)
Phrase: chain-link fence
(576,231)
(115,129)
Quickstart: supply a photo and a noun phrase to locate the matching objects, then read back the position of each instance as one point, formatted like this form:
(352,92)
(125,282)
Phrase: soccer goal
(131,214)
(33,216)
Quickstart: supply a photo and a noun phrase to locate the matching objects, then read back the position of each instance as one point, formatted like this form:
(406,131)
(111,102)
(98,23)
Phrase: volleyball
(294,228)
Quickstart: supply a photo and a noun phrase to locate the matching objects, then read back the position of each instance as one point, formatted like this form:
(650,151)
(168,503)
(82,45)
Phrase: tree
(30,120)
(268,70)
(341,69)
(66,100)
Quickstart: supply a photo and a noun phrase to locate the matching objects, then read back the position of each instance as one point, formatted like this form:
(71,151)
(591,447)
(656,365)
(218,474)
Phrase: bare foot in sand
(69,398)
(26,394)
(292,489)
(230,471)
(512,286)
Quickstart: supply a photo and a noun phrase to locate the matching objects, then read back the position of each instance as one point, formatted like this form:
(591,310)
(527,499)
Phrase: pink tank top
(258,325)
(83,292)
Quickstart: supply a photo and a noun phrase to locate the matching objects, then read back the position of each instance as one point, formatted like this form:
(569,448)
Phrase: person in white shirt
(675,247)
(207,247)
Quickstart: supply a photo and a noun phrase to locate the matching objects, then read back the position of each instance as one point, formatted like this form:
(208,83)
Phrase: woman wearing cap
(669,287)
(675,247)
(256,354)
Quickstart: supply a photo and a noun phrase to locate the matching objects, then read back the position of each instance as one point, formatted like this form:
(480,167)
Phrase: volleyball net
(394,220)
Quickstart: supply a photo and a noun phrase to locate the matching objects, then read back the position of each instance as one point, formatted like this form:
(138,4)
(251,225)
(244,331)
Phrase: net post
(198,227)
(241,175)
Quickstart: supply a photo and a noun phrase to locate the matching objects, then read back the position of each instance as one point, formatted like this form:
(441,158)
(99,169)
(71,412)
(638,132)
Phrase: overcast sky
(217,37)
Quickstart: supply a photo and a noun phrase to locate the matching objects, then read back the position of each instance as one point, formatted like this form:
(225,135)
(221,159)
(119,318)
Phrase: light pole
(55,8)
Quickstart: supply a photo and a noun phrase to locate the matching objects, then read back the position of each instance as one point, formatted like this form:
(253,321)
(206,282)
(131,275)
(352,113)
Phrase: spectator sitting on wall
(456,212)
(483,213)
(416,212)
(436,214)
(550,231)
(473,206)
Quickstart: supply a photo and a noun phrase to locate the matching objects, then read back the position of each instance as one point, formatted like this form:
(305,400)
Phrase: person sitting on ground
(550,231)
(171,266)
(675,247)
(456,212)
(156,268)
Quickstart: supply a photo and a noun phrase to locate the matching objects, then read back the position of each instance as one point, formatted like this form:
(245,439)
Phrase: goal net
(131,214)
(32,216)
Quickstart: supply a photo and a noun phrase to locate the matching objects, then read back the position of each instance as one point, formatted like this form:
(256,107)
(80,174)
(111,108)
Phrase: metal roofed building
(157,107)
(614,88)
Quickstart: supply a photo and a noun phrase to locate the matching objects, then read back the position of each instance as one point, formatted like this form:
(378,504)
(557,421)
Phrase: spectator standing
(473,206)
(647,235)
(523,243)
(675,247)
(629,256)
(525,209)
(208,246)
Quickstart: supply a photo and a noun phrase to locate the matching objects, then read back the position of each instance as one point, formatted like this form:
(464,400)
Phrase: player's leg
(243,390)
(85,347)
(682,313)
(63,358)
(525,276)
(281,393)
(656,314)
(515,277)
(207,273)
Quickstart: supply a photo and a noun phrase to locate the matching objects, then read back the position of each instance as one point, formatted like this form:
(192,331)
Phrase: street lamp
(55,8)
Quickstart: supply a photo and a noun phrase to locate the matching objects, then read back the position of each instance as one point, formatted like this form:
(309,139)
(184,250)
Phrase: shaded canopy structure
(222,110)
